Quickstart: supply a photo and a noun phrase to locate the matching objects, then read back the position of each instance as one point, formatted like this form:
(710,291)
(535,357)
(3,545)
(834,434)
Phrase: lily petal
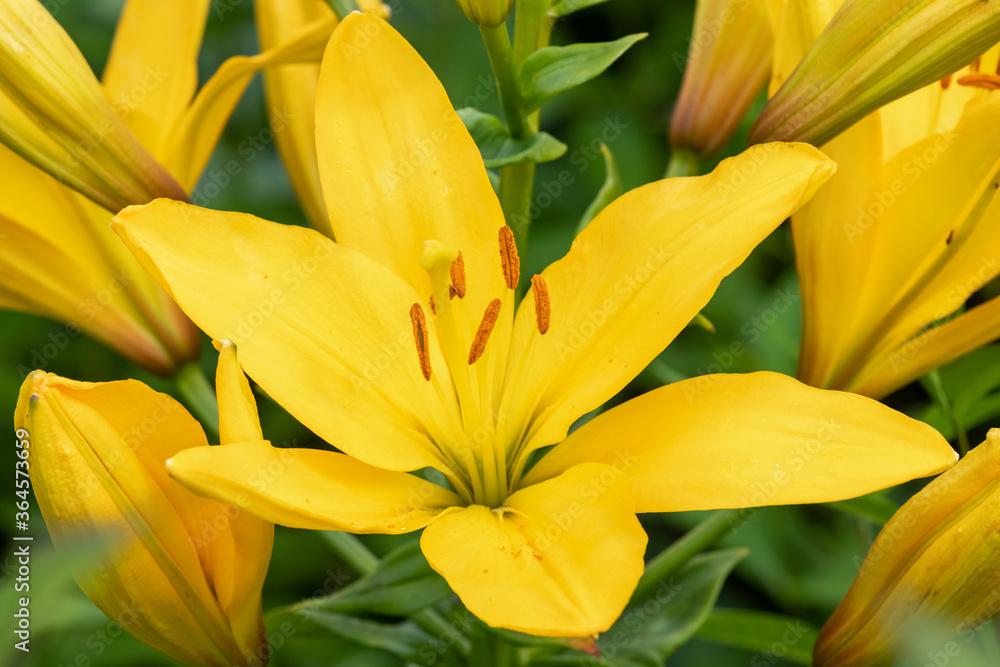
(729,441)
(291,101)
(661,251)
(825,242)
(560,559)
(238,417)
(196,132)
(152,71)
(323,329)
(312,489)
(398,166)
(930,349)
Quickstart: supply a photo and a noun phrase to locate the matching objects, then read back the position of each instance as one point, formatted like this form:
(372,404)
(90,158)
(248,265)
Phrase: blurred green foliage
(801,560)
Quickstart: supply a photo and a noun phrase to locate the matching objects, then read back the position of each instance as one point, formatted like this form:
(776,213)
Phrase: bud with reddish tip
(727,66)
(933,567)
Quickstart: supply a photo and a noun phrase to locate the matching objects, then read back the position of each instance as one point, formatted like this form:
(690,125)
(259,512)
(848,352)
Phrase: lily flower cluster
(459,397)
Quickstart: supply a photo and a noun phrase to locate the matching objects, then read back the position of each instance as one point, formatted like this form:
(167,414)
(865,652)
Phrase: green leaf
(647,633)
(553,69)
(875,507)
(610,190)
(500,149)
(404,583)
(567,7)
(774,637)
(401,639)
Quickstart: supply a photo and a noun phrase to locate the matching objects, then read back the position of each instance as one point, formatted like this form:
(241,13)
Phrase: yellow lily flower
(871,53)
(934,565)
(179,572)
(291,95)
(402,344)
(60,258)
(890,251)
(728,63)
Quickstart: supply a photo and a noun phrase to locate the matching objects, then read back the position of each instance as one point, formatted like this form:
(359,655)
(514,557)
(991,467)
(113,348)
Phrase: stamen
(543,307)
(987,81)
(457,274)
(420,336)
(945,82)
(430,302)
(975,64)
(509,260)
(485,329)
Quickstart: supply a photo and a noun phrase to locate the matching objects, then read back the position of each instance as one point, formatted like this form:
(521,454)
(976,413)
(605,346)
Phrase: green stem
(532,31)
(490,650)
(360,559)
(957,425)
(683,163)
(517,184)
(352,551)
(698,539)
(199,395)
(501,55)
(344,7)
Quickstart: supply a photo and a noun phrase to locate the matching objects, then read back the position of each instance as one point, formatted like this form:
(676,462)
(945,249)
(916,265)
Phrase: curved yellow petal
(648,263)
(195,134)
(929,349)
(152,71)
(313,489)
(291,101)
(728,441)
(238,418)
(933,563)
(323,329)
(799,24)
(946,184)
(834,253)
(559,559)
(398,166)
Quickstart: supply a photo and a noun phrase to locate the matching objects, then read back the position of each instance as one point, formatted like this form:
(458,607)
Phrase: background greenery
(801,560)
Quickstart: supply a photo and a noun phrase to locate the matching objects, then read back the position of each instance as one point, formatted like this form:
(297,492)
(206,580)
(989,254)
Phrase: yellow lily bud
(291,96)
(873,52)
(181,573)
(54,113)
(934,564)
(728,63)
(488,13)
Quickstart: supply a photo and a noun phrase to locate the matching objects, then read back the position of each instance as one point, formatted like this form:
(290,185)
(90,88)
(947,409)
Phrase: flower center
(477,445)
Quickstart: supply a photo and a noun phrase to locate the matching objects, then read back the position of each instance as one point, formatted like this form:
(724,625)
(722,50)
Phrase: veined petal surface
(314,489)
(661,251)
(397,165)
(323,329)
(728,441)
(152,71)
(559,559)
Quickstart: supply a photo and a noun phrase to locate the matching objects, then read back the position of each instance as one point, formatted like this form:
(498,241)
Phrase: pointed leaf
(764,633)
(500,149)
(553,69)
(655,628)
(567,7)
(403,584)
